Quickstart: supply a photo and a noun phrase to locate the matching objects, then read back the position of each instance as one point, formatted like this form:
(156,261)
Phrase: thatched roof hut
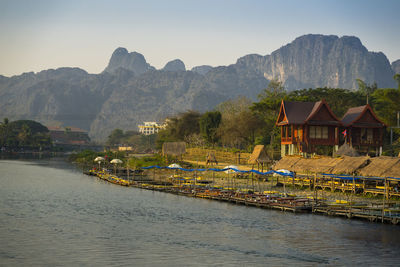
(349,165)
(320,165)
(346,150)
(393,171)
(174,148)
(259,156)
(286,163)
(379,165)
(210,159)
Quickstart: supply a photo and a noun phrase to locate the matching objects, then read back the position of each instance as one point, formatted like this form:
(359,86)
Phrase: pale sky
(41,34)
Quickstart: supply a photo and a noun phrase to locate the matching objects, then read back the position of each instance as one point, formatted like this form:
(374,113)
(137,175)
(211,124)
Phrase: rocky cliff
(318,60)
(175,65)
(130,90)
(133,61)
(396,66)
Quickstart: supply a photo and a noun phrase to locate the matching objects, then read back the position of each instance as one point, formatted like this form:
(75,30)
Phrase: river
(53,215)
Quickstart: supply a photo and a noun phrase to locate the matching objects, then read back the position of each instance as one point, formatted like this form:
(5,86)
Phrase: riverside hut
(286,163)
(305,126)
(393,171)
(379,166)
(363,129)
(259,157)
(349,165)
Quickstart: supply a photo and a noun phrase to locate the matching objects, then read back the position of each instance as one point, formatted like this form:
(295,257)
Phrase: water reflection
(51,214)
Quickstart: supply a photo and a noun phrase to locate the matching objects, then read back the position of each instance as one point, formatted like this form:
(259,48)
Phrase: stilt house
(363,129)
(307,125)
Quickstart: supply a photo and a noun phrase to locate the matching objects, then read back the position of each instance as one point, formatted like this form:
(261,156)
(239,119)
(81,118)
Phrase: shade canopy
(174,165)
(231,167)
(98,159)
(116,161)
(282,171)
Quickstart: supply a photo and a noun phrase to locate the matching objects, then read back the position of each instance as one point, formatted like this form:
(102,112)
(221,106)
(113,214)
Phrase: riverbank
(269,193)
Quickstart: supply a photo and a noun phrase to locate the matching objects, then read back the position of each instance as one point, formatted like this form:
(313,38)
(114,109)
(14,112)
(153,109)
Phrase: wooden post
(127,168)
(315,187)
(293,178)
(384,198)
(284,183)
(252,181)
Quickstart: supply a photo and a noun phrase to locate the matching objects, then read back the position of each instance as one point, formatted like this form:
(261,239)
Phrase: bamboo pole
(384,198)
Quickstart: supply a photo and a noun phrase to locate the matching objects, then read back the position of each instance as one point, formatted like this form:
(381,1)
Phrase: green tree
(366,89)
(4,132)
(239,126)
(26,133)
(386,103)
(209,123)
(396,77)
(115,137)
(179,128)
(268,109)
(25,136)
(339,100)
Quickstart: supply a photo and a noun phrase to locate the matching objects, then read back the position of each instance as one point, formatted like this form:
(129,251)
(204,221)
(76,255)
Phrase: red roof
(353,116)
(304,112)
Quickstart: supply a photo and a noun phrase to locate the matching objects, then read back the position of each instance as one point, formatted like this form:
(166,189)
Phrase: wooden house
(363,130)
(306,126)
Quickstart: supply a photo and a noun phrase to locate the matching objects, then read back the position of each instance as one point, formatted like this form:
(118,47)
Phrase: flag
(344,133)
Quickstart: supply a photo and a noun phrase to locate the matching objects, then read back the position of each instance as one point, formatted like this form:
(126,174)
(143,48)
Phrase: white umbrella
(98,159)
(116,161)
(282,171)
(232,167)
(174,165)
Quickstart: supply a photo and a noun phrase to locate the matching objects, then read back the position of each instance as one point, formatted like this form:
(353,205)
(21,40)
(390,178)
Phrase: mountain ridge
(130,90)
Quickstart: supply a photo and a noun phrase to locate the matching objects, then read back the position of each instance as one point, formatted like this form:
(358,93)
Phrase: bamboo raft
(386,213)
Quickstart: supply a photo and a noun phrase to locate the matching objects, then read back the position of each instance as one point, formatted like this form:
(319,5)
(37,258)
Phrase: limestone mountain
(133,61)
(396,66)
(175,65)
(130,90)
(202,69)
(318,60)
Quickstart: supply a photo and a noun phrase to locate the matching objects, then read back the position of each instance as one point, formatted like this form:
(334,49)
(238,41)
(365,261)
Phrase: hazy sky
(42,34)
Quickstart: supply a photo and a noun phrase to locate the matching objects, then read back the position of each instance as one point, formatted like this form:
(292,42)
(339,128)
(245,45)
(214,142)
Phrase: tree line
(241,124)
(23,134)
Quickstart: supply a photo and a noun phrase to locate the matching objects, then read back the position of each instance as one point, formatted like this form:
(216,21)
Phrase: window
(312,132)
(325,134)
(319,132)
(370,135)
(367,135)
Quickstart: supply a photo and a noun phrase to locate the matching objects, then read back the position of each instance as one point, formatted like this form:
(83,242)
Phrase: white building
(150,127)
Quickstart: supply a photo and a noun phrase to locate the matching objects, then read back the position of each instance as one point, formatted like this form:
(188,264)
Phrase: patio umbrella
(115,162)
(174,165)
(282,171)
(230,171)
(99,160)
(231,167)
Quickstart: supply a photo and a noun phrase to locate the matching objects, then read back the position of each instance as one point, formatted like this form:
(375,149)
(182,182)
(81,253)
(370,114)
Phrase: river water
(53,215)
